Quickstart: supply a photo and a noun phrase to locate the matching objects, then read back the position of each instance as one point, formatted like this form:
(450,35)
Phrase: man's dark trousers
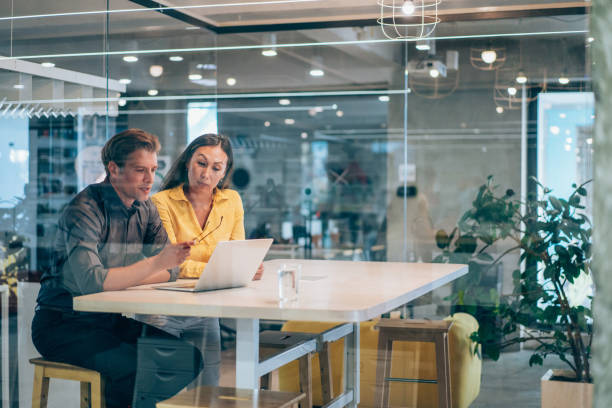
(102,342)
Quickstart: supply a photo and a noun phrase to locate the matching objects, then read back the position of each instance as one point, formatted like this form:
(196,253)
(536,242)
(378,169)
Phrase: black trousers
(98,341)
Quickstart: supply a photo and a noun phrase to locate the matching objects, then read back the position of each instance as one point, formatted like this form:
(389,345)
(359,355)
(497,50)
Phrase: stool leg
(97,392)
(327,386)
(443,369)
(306,380)
(383,369)
(85,394)
(40,389)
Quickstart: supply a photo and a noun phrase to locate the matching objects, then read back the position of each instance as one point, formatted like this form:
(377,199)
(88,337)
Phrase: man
(110,237)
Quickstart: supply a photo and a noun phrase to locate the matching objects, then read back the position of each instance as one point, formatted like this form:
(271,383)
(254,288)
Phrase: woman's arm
(238,229)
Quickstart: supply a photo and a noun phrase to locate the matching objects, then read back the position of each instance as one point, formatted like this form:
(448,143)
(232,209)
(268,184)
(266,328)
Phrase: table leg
(351,359)
(247,353)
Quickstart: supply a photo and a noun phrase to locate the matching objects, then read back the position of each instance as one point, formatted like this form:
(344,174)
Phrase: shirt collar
(177,193)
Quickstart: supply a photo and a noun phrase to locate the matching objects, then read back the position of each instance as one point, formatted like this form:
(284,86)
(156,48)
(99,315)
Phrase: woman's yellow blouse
(225,222)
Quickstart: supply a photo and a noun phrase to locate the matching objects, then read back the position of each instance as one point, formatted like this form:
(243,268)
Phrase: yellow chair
(410,360)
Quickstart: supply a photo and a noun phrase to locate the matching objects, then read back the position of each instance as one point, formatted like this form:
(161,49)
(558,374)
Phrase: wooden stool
(272,342)
(207,396)
(412,330)
(92,383)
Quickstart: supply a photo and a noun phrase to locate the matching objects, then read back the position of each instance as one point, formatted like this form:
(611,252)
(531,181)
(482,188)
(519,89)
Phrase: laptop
(232,264)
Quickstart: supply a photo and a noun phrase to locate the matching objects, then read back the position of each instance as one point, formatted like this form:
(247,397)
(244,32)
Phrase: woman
(195,205)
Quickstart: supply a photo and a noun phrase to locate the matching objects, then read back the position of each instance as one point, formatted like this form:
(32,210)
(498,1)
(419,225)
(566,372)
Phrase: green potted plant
(553,236)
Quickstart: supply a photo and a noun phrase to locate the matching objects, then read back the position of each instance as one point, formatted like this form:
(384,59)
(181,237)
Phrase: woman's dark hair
(178,172)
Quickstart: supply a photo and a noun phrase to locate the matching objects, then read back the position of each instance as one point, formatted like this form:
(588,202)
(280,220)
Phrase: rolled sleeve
(83,270)
(156,237)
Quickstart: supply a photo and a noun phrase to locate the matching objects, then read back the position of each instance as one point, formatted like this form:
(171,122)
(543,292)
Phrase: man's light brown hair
(120,146)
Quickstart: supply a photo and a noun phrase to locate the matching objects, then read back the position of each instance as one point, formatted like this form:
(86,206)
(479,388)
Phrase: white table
(332,291)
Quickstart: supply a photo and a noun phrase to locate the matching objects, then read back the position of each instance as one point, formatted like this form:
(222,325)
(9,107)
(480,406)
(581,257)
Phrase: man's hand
(173,255)
(259,273)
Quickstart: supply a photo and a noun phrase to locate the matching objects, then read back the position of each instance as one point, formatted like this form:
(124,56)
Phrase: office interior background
(348,145)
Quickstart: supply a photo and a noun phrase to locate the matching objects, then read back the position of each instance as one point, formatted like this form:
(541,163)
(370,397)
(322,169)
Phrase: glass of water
(288,281)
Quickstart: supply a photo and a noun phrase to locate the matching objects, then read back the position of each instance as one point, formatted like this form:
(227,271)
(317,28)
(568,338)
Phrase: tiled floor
(506,383)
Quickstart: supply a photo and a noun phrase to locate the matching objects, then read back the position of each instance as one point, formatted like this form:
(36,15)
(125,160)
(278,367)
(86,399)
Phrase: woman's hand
(259,273)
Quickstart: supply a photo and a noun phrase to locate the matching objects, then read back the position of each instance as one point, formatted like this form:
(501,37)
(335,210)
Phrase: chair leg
(306,380)
(383,369)
(327,386)
(85,394)
(40,389)
(443,369)
(97,392)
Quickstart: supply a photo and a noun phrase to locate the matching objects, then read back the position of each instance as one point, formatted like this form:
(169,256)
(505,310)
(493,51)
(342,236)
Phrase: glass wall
(347,146)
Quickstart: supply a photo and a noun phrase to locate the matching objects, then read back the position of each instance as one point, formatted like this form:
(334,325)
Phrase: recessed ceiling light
(19,86)
(568,148)
(269,52)
(339,113)
(284,102)
(230,81)
(267,123)
(130,58)
(304,135)
(156,70)
(568,140)
(555,130)
(122,102)
(316,72)
(512,91)
(195,77)
(563,80)
(125,81)
(48,64)
(152,92)
(589,140)
(499,109)
(312,112)
(176,58)
(289,121)
(434,73)
(489,56)
(590,39)
(521,78)
(562,115)
(384,98)
(210,67)
(319,109)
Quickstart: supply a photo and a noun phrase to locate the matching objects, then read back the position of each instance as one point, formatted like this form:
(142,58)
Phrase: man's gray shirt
(96,232)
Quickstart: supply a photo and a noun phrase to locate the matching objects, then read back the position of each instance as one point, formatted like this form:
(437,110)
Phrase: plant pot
(565,394)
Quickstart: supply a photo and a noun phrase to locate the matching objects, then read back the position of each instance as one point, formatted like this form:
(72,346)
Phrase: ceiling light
(230,81)
(304,135)
(383,98)
(195,77)
(589,140)
(156,70)
(499,110)
(19,86)
(521,78)
(512,91)
(130,58)
(423,45)
(210,67)
(562,115)
(319,109)
(489,56)
(563,80)
(122,102)
(316,72)
(284,102)
(555,130)
(48,64)
(289,121)
(434,73)
(152,92)
(269,52)
(408,8)
(339,113)
(568,148)
(176,58)
(590,39)
(267,123)
(568,140)
(125,81)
